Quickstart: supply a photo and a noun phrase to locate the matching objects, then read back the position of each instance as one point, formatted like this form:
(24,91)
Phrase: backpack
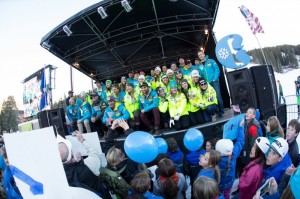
(115,181)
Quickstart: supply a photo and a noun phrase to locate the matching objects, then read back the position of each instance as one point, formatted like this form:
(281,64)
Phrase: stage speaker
(58,121)
(241,89)
(265,87)
(44,119)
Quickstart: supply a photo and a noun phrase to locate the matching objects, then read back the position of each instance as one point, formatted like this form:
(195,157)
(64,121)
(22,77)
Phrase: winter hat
(225,147)
(294,183)
(201,80)
(60,139)
(82,94)
(173,84)
(195,73)
(157,68)
(142,77)
(178,71)
(263,143)
(123,77)
(280,146)
(108,82)
(164,76)
(144,84)
(170,71)
(111,99)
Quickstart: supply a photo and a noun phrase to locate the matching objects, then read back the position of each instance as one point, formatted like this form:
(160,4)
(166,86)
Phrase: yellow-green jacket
(131,103)
(205,95)
(177,105)
(194,99)
(163,104)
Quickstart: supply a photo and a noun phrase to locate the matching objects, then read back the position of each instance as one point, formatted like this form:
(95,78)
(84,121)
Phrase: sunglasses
(203,84)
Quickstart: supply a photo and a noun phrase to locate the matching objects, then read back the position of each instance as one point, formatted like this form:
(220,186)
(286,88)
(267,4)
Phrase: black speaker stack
(55,118)
(256,87)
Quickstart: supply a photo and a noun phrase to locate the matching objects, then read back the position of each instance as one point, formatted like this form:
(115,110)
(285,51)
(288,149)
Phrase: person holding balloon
(178,108)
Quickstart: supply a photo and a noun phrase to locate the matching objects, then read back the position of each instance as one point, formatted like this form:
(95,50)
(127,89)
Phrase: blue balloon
(193,139)
(162,145)
(141,147)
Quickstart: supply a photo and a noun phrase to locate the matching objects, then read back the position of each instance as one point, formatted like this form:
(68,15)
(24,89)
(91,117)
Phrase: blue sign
(230,52)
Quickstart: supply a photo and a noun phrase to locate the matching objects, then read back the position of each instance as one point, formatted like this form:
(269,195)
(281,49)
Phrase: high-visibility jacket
(131,103)
(163,104)
(208,97)
(177,104)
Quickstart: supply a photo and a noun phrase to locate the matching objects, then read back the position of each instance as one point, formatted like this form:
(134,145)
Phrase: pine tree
(9,114)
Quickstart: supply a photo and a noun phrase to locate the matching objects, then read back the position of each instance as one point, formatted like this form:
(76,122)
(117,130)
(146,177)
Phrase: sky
(24,22)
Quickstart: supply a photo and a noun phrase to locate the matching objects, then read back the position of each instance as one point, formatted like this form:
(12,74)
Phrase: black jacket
(294,152)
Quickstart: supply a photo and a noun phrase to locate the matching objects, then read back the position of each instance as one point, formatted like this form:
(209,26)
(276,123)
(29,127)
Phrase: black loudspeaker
(44,119)
(265,87)
(55,118)
(58,121)
(241,89)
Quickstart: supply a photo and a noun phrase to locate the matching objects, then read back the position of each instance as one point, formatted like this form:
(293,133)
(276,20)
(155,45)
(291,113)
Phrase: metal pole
(50,86)
(71,77)
(269,74)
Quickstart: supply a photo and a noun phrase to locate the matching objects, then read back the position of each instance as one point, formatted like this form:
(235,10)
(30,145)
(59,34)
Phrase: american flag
(252,20)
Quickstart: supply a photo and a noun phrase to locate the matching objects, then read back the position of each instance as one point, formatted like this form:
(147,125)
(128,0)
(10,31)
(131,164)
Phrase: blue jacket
(149,102)
(178,158)
(207,173)
(150,195)
(277,170)
(85,111)
(72,112)
(193,156)
(228,173)
(210,71)
(120,112)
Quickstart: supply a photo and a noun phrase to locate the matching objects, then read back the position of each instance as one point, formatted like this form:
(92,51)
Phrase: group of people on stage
(181,96)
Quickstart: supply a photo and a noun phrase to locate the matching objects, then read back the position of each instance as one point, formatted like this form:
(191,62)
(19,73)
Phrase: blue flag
(43,99)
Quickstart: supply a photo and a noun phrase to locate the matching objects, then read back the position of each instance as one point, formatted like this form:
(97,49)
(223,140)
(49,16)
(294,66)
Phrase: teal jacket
(210,71)
(148,102)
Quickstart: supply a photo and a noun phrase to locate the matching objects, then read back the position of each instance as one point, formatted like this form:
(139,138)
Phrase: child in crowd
(227,165)
(140,184)
(252,175)
(274,129)
(170,184)
(210,162)
(291,135)
(206,188)
(175,154)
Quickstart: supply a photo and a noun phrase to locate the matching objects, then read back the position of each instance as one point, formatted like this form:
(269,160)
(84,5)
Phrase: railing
(292,107)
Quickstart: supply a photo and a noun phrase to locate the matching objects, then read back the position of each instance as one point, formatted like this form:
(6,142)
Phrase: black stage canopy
(154,32)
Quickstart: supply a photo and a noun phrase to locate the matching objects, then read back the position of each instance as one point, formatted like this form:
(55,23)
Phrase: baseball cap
(188,61)
(263,143)
(93,94)
(225,147)
(195,73)
(280,146)
(123,77)
(144,84)
(70,91)
(157,68)
(201,80)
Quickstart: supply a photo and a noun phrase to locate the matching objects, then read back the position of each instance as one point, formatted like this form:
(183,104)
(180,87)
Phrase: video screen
(32,95)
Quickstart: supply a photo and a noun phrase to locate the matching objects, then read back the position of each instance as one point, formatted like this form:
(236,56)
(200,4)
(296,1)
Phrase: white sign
(36,154)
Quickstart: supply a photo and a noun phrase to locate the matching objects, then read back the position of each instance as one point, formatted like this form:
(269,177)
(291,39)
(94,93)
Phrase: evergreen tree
(9,114)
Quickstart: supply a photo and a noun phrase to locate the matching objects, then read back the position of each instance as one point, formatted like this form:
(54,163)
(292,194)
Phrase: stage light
(126,5)
(173,0)
(201,48)
(205,30)
(102,12)
(76,64)
(46,45)
(67,30)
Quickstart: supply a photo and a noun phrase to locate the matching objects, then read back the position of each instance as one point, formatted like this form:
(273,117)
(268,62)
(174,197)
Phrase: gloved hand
(176,118)
(201,106)
(171,122)
(210,99)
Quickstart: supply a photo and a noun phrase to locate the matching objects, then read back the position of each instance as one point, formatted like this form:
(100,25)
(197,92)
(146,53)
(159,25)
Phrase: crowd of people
(178,97)
(212,170)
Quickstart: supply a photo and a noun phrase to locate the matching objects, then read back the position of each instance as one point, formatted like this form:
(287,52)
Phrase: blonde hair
(114,156)
(205,188)
(275,126)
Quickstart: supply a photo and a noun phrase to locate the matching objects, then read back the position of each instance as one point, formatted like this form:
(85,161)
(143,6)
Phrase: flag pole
(269,75)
